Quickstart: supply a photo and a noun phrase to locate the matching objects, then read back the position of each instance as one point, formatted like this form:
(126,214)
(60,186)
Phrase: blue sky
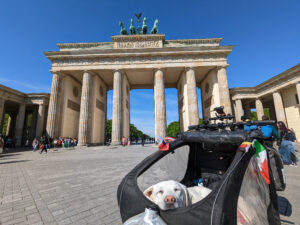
(266,36)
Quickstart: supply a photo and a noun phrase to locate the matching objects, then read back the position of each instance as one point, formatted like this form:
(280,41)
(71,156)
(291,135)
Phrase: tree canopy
(254,114)
(173,128)
(134,132)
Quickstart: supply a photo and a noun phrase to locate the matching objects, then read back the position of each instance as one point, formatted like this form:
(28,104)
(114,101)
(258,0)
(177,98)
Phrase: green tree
(108,130)
(5,124)
(134,132)
(254,114)
(200,121)
(173,128)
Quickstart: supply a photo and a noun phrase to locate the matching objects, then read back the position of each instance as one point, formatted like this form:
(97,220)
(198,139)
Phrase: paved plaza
(79,186)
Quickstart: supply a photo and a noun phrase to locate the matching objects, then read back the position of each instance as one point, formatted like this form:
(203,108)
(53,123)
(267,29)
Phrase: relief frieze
(137,59)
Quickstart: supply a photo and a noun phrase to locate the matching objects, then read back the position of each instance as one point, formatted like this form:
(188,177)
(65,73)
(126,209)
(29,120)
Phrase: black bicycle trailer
(227,163)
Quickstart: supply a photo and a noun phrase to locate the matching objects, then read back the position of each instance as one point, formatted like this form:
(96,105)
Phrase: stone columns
(84,126)
(247,110)
(33,123)
(259,109)
(224,90)
(40,121)
(20,124)
(54,108)
(238,110)
(193,111)
(117,109)
(160,105)
(2,101)
(8,126)
(298,90)
(279,109)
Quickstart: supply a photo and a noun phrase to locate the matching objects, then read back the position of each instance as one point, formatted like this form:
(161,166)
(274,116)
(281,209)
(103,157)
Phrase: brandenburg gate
(84,72)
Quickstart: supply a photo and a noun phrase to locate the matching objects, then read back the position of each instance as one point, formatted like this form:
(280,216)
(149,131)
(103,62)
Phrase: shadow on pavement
(284,206)
(8,154)
(15,161)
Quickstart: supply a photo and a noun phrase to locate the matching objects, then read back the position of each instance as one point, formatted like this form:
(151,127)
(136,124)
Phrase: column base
(114,143)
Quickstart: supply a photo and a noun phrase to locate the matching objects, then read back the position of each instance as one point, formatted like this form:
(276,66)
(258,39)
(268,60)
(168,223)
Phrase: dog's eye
(161,192)
(176,189)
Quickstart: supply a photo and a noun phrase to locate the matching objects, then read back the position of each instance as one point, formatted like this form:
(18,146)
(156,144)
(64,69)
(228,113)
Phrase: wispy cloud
(25,86)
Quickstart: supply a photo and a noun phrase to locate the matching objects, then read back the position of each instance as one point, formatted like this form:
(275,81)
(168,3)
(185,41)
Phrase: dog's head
(168,194)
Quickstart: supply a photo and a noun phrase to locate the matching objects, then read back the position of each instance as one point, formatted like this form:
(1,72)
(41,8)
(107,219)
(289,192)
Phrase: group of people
(284,137)
(128,141)
(45,143)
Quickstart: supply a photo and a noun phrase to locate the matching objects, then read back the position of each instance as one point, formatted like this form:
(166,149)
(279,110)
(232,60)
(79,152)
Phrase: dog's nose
(169,199)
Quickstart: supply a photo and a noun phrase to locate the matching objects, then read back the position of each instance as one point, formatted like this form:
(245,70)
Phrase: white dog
(171,194)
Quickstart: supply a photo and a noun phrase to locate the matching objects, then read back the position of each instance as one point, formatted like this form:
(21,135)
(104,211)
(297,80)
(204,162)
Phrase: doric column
(259,109)
(33,123)
(279,109)
(224,90)
(8,126)
(247,110)
(116,133)
(2,101)
(298,90)
(40,121)
(160,105)
(83,135)
(192,97)
(53,111)
(20,124)
(238,109)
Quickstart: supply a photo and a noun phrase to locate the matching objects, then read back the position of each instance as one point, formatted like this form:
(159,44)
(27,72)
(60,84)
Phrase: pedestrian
(123,141)
(44,144)
(35,144)
(143,139)
(286,145)
(1,144)
(128,142)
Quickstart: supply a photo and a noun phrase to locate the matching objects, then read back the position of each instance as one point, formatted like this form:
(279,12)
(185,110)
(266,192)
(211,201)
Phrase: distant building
(24,115)
(280,95)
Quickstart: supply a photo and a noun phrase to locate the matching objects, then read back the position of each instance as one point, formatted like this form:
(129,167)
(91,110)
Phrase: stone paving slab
(79,186)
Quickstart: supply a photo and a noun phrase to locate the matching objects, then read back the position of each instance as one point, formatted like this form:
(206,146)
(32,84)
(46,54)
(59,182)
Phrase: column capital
(186,69)
(159,69)
(276,92)
(221,67)
(118,70)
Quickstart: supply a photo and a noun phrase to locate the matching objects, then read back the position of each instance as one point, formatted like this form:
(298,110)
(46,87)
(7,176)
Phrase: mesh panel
(254,197)
(170,167)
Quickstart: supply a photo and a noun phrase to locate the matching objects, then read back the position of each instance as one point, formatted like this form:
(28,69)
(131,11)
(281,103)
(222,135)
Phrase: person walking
(143,139)
(286,145)
(44,143)
(123,141)
(128,142)
(35,144)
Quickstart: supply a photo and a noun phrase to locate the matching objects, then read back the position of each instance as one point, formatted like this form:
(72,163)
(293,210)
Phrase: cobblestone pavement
(65,187)
(79,186)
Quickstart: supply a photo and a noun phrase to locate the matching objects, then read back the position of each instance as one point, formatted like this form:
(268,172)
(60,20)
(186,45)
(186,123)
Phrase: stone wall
(210,94)
(292,111)
(71,90)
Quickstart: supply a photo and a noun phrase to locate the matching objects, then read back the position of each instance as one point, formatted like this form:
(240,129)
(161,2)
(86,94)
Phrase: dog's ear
(187,198)
(149,193)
